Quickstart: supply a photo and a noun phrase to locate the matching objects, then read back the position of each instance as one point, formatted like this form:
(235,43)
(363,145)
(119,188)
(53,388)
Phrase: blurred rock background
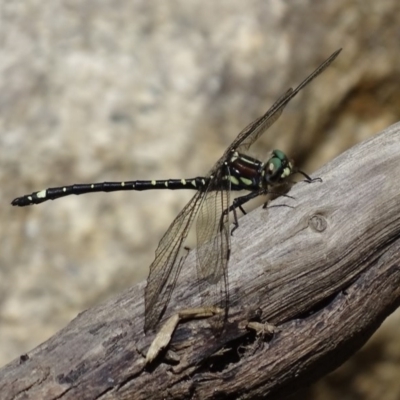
(119,90)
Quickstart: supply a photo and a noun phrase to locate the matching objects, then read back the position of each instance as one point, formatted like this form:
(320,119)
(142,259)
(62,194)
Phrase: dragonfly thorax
(247,173)
(244,172)
(277,169)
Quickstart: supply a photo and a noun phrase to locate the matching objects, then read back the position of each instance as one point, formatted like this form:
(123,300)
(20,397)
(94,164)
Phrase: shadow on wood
(325,271)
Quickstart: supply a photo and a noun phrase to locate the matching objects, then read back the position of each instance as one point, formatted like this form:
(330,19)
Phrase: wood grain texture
(325,271)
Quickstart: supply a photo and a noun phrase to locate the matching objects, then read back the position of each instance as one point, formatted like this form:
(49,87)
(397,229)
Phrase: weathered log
(325,271)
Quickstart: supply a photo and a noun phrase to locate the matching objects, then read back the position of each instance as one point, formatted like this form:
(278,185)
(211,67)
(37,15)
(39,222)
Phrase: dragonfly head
(277,168)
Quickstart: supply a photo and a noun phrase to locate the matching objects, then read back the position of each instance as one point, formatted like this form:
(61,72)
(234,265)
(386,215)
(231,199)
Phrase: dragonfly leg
(308,177)
(279,205)
(164,335)
(238,203)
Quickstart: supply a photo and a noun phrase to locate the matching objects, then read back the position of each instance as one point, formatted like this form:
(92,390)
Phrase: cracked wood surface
(325,271)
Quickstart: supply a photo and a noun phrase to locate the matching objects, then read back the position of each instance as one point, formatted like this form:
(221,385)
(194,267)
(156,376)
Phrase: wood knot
(318,223)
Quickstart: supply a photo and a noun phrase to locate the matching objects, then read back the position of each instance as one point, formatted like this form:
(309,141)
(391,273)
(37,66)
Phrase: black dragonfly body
(210,207)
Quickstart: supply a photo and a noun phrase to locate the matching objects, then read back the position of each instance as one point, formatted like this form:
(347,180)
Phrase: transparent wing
(256,128)
(213,249)
(166,266)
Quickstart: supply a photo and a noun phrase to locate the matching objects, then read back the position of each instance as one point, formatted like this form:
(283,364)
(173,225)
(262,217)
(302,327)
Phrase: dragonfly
(210,208)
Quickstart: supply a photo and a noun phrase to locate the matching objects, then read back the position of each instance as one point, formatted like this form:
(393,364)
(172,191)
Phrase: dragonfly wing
(255,129)
(166,266)
(213,249)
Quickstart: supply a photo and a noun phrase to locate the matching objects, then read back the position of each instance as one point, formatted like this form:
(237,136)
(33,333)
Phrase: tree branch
(325,271)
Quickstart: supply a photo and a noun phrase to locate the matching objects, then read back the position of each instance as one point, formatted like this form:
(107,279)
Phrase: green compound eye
(279,154)
(274,165)
(278,167)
